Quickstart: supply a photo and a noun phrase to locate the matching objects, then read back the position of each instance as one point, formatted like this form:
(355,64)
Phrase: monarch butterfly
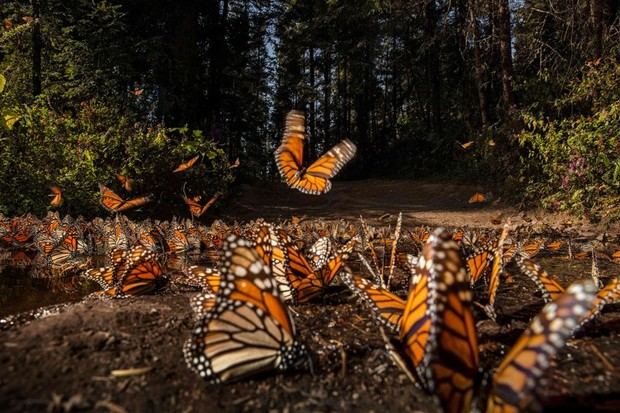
(303,280)
(71,247)
(56,196)
(126,182)
(271,246)
(606,295)
(532,248)
(114,203)
(184,166)
(135,272)
(548,287)
(386,307)
(235,164)
(465,145)
(437,337)
(208,279)
(202,303)
(554,245)
(315,179)
(196,209)
(516,377)
(478,261)
(477,198)
(496,270)
(419,235)
(249,329)
(319,253)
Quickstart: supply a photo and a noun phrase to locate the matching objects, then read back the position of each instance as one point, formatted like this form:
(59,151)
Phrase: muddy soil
(65,358)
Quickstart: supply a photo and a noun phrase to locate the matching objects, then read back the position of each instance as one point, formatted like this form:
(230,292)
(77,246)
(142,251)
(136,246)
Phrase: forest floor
(63,358)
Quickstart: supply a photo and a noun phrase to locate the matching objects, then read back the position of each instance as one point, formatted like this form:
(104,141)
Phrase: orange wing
(477,198)
(196,209)
(289,156)
(316,179)
(386,307)
(249,329)
(56,196)
(114,203)
(518,374)
(187,165)
(126,182)
(477,262)
(548,287)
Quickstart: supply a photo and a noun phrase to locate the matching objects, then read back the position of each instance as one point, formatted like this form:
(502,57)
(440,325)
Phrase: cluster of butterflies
(115,204)
(421,300)
(244,324)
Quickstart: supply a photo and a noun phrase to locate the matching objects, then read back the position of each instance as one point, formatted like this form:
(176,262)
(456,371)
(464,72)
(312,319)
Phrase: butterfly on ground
(114,203)
(516,378)
(477,198)
(198,210)
(133,272)
(126,182)
(184,166)
(249,330)
(314,179)
(56,196)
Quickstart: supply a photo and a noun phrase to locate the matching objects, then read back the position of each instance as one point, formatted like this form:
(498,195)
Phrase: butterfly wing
(249,330)
(548,287)
(516,377)
(386,307)
(184,166)
(316,179)
(289,155)
(56,196)
(109,199)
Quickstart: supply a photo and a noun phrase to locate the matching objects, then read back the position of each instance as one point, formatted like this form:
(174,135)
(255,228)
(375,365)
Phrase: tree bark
(505,48)
(596,12)
(478,64)
(432,64)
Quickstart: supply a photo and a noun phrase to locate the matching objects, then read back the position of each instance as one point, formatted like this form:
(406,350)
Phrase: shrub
(77,151)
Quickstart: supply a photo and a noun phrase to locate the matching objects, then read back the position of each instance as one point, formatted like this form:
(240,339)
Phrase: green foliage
(76,152)
(573,163)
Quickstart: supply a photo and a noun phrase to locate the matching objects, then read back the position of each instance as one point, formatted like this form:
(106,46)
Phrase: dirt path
(421,202)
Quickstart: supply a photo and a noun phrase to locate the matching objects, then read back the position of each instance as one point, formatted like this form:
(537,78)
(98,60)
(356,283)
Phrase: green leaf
(10,120)
(2,82)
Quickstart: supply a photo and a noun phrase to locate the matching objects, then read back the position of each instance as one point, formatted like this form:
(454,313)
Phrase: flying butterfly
(314,179)
(56,196)
(184,166)
(248,330)
(198,210)
(114,203)
(126,182)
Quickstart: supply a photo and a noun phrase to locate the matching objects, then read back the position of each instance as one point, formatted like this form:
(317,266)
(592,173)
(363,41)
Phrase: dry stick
(373,253)
(602,357)
(399,223)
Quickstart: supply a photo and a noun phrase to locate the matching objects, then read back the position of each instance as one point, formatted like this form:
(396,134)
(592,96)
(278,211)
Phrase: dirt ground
(62,358)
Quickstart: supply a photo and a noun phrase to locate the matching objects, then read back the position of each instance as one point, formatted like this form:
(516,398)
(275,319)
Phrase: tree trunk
(432,64)
(327,88)
(478,64)
(505,48)
(596,12)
